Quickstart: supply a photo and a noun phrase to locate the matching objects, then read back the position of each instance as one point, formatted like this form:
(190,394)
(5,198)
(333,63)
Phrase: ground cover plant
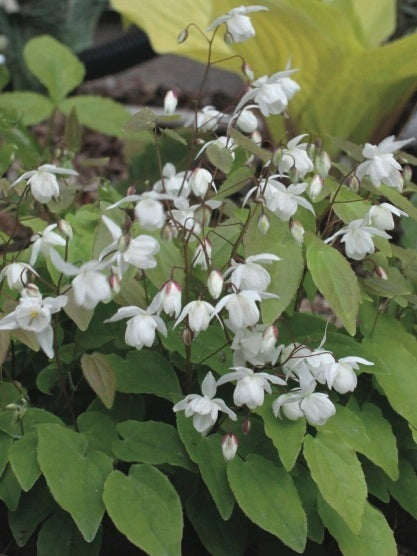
(160,373)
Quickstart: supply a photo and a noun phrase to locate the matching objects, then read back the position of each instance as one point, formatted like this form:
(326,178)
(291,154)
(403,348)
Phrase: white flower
(230,444)
(90,286)
(246,121)
(173,183)
(222,142)
(204,409)
(242,307)
(380,216)
(238,24)
(340,375)
(250,275)
(202,254)
(44,241)
(207,119)
(168,299)
(295,156)
(141,326)
(34,314)
(43,183)
(170,102)
(10,6)
(200,180)
(357,237)
(255,346)
(271,94)
(139,252)
(149,210)
(381,166)
(17,275)
(315,187)
(315,406)
(199,314)
(250,386)
(185,219)
(215,283)
(294,360)
(297,231)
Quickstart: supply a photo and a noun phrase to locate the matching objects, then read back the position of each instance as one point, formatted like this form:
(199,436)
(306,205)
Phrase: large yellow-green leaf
(334,45)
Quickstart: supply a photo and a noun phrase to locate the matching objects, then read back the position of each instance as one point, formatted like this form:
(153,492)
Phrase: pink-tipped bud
(183,36)
(131,190)
(187,336)
(315,187)
(230,443)
(263,223)
(114,282)
(247,71)
(297,231)
(407,174)
(170,102)
(65,228)
(354,183)
(170,298)
(323,164)
(380,272)
(246,426)
(269,338)
(215,283)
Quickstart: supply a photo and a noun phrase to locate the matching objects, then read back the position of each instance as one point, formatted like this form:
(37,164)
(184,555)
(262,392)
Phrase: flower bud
(323,164)
(311,150)
(200,180)
(114,282)
(246,426)
(131,190)
(247,121)
(202,255)
(170,102)
(407,174)
(65,228)
(315,187)
(263,223)
(297,231)
(215,283)
(228,38)
(269,338)
(167,233)
(354,183)
(380,272)
(187,336)
(247,71)
(230,443)
(256,137)
(182,37)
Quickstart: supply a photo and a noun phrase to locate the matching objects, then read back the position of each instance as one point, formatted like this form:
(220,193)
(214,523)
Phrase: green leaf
(267,495)
(220,157)
(376,481)
(5,445)
(100,376)
(338,474)
(374,537)
(146,508)
(60,531)
(213,469)
(54,65)
(405,488)
(286,274)
(234,183)
(189,436)
(24,462)
(31,107)
(144,372)
(308,493)
(249,145)
(221,538)
(72,132)
(335,279)
(174,135)
(34,507)
(287,436)
(101,114)
(100,430)
(395,351)
(9,489)
(143,120)
(76,313)
(150,442)
(62,454)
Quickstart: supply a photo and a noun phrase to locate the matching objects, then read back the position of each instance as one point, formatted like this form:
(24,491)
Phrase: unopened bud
(167,233)
(228,38)
(354,183)
(199,141)
(187,336)
(256,137)
(315,187)
(297,231)
(247,71)
(170,102)
(202,254)
(230,443)
(323,164)
(269,338)
(114,282)
(182,37)
(263,223)
(131,190)
(65,228)
(215,283)
(199,181)
(380,272)
(407,174)
(246,426)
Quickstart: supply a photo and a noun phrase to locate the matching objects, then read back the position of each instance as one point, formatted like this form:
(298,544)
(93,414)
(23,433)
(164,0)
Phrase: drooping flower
(381,166)
(246,121)
(141,326)
(230,444)
(314,406)
(202,254)
(43,183)
(255,346)
(380,216)
(199,314)
(17,275)
(33,313)
(242,307)
(204,409)
(250,275)
(239,25)
(207,119)
(200,180)
(173,183)
(43,242)
(357,237)
(149,209)
(295,156)
(168,299)
(250,386)
(170,102)
(340,375)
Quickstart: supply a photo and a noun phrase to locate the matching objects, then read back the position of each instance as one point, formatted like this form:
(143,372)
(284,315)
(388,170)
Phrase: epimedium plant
(158,366)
